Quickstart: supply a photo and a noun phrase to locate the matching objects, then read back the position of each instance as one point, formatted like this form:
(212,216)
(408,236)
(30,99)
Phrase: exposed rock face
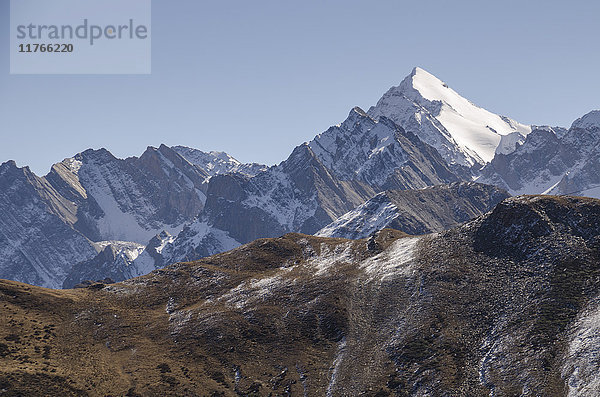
(300,194)
(131,199)
(122,260)
(196,240)
(420,134)
(320,181)
(505,304)
(422,211)
(223,203)
(50,222)
(36,244)
(552,162)
(381,154)
(154,251)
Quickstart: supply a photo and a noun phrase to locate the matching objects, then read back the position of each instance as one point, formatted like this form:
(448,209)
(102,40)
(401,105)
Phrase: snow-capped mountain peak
(462,132)
(589,120)
(428,86)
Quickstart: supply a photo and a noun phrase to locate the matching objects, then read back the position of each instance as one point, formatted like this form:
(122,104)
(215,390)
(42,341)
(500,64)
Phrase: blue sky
(256,78)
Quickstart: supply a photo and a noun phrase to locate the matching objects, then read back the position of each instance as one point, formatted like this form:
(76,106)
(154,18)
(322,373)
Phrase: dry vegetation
(486,306)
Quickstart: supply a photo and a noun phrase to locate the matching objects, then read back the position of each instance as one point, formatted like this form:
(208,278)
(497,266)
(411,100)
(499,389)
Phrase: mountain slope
(131,199)
(319,181)
(551,163)
(36,244)
(114,261)
(416,212)
(419,134)
(379,153)
(51,224)
(463,133)
(505,304)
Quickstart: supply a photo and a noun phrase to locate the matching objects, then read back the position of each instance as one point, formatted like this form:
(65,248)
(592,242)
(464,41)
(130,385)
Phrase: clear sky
(256,78)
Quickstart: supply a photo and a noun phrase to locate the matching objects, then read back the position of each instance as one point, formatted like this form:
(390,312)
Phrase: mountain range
(552,161)
(95,216)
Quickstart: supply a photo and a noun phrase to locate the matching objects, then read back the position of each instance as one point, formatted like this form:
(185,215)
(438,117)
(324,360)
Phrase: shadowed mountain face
(36,244)
(380,153)
(49,224)
(505,303)
(130,199)
(419,211)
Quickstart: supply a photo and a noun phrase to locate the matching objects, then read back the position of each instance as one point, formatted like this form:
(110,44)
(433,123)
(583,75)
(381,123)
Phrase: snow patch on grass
(580,369)
(336,366)
(331,257)
(396,260)
(254,290)
(365,219)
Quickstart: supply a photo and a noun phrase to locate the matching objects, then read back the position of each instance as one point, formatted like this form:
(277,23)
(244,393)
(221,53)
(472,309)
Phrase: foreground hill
(505,304)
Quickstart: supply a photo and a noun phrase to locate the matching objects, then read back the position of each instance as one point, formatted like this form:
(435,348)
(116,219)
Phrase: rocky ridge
(417,212)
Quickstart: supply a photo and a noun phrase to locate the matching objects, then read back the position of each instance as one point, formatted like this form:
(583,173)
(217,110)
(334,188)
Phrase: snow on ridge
(424,102)
(105,185)
(325,145)
(330,257)
(194,235)
(289,212)
(119,245)
(355,148)
(257,289)
(74,165)
(509,142)
(215,163)
(396,260)
(365,219)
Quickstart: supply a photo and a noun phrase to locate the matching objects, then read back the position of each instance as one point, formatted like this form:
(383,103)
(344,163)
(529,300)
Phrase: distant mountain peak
(419,70)
(421,83)
(589,120)
(215,163)
(101,155)
(421,78)
(8,165)
(11,166)
(462,132)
